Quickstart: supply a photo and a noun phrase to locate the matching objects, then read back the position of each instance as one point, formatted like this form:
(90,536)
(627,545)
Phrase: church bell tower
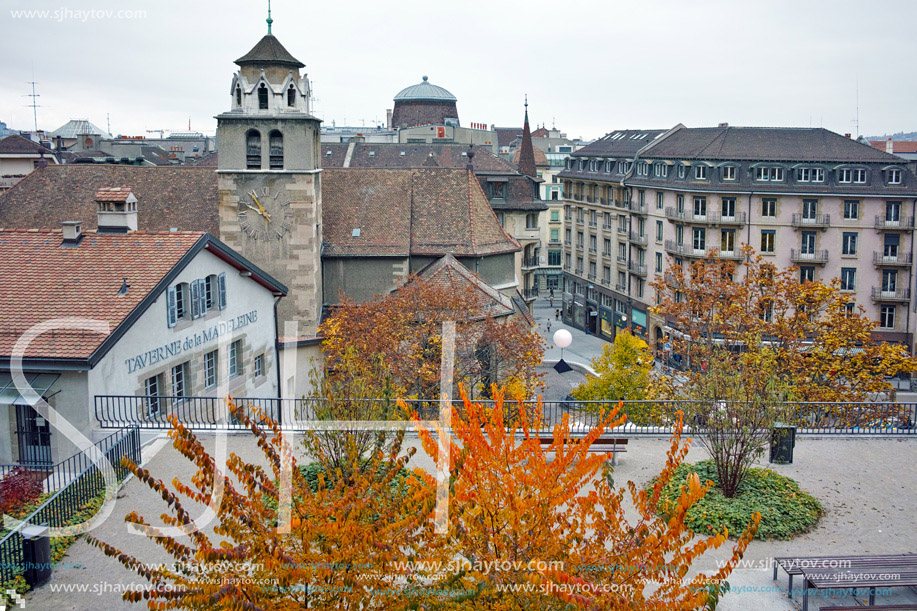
(269,176)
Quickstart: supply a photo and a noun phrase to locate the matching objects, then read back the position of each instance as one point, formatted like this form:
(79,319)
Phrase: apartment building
(637,201)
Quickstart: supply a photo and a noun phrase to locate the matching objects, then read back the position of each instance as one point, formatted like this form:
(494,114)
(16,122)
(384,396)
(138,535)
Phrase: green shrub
(786,511)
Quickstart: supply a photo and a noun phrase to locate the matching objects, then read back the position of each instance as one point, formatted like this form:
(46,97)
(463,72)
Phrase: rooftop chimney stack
(73,232)
(388,118)
(117,210)
(889,146)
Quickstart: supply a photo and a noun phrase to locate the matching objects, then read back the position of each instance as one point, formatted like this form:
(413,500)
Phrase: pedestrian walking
(552,302)
(556,314)
(549,326)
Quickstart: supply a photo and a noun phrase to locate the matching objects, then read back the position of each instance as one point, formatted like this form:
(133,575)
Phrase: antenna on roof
(269,20)
(34,105)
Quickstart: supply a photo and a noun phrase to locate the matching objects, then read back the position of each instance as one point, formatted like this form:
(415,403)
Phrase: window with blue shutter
(195,300)
(171,307)
(221,297)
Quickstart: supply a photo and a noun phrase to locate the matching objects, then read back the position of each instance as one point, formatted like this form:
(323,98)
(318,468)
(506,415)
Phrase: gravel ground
(867,505)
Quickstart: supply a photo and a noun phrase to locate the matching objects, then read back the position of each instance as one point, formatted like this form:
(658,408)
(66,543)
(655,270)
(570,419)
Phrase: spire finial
(269,20)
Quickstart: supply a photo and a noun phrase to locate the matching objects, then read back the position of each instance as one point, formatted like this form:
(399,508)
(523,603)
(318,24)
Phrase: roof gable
(269,51)
(448,273)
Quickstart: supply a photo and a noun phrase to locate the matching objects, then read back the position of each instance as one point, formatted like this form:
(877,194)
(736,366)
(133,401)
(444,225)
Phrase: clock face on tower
(264,213)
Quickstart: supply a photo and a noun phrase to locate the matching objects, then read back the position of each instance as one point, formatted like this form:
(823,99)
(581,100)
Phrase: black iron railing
(644,417)
(81,487)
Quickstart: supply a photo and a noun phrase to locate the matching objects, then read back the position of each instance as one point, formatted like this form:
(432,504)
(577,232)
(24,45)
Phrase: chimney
(889,146)
(117,210)
(388,118)
(847,136)
(723,125)
(73,233)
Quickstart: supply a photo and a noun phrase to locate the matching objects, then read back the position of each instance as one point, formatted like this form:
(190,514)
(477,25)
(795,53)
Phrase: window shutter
(221,293)
(202,296)
(195,300)
(171,307)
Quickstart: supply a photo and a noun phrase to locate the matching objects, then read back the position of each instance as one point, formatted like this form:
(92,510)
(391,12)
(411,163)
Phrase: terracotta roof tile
(113,194)
(44,280)
(179,197)
(428,211)
(17,145)
(448,273)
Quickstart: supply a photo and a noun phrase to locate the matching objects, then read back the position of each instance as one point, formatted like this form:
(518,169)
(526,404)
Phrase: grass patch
(786,511)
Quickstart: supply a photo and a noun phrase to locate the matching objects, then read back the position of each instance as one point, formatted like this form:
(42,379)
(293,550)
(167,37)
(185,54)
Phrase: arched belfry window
(276,150)
(253,150)
(238,96)
(291,96)
(262,97)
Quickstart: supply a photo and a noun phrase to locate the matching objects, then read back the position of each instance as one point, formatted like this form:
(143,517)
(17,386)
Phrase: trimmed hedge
(786,511)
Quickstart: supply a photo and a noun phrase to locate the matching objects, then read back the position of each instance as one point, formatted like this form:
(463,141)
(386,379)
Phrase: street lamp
(562,339)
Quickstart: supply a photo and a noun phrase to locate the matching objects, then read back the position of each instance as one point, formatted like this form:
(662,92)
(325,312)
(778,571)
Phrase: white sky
(590,65)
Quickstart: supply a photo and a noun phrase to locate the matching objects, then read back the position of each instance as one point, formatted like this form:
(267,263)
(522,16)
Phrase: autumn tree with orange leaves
(528,528)
(402,333)
(822,343)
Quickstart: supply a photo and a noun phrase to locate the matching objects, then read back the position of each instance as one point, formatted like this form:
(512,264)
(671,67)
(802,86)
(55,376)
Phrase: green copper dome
(425,90)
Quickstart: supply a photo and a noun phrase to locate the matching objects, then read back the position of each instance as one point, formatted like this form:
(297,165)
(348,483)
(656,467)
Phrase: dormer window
(768,174)
(682,170)
(729,172)
(894,177)
(238,96)
(661,170)
(700,172)
(262,97)
(810,175)
(608,165)
(643,168)
(291,96)
(859,176)
(845,175)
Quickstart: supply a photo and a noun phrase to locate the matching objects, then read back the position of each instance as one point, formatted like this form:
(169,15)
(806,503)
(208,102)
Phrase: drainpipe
(748,218)
(277,362)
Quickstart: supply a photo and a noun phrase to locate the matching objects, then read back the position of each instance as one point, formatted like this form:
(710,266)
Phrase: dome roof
(425,91)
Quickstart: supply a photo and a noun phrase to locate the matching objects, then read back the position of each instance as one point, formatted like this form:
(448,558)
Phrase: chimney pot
(847,136)
(73,232)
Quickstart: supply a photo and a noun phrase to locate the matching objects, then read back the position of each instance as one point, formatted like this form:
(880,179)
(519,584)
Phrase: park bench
(612,445)
(793,565)
(860,573)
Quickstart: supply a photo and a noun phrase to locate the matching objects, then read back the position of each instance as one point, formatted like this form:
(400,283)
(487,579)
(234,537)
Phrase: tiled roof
(526,155)
(898,146)
(620,143)
(43,280)
(208,160)
(389,156)
(449,274)
(764,144)
(182,197)
(113,194)
(505,135)
(426,211)
(541,160)
(17,145)
(269,51)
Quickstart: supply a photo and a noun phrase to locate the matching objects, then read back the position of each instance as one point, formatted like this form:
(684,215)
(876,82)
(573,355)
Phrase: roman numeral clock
(265,213)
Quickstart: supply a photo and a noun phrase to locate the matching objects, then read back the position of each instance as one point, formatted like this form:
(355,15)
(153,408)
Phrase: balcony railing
(821,221)
(899,294)
(621,288)
(710,218)
(607,226)
(606,281)
(580,221)
(899,224)
(593,249)
(732,255)
(818,256)
(636,268)
(902,258)
(606,253)
(622,259)
(591,277)
(637,238)
(530,262)
(638,207)
(579,271)
(623,230)
(593,224)
(580,245)
(567,267)
(684,250)
(623,204)
(568,242)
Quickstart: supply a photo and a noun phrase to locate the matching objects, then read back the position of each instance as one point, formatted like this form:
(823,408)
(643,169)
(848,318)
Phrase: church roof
(448,273)
(420,212)
(425,91)
(269,51)
(526,154)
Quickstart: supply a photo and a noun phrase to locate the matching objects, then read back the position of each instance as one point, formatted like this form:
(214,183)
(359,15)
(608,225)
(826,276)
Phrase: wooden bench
(612,445)
(793,565)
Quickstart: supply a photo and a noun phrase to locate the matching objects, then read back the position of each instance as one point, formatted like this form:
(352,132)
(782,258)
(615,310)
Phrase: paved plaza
(869,508)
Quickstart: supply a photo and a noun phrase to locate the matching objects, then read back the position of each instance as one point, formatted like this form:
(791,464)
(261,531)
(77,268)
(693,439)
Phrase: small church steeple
(526,150)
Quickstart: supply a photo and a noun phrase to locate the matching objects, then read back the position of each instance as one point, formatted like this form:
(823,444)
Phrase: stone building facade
(637,201)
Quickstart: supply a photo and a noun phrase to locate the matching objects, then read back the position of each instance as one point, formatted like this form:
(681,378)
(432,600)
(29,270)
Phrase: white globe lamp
(562,338)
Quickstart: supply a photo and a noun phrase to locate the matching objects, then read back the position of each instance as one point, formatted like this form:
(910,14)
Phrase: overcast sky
(590,66)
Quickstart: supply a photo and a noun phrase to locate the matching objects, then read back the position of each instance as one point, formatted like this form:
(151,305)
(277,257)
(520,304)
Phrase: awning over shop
(40,383)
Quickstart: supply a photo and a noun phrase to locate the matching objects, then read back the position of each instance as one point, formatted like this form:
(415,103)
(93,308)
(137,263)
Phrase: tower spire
(526,150)
(269,20)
